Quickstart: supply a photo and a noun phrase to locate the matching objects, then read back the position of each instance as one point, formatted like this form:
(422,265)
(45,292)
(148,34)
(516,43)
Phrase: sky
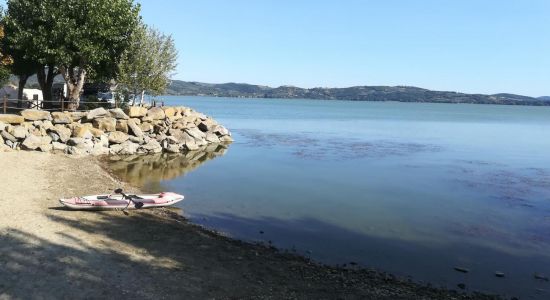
(474,46)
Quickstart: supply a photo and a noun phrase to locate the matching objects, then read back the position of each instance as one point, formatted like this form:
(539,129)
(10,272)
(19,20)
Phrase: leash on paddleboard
(137,204)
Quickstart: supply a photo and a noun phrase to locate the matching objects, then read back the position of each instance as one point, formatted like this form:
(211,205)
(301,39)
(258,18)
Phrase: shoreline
(46,251)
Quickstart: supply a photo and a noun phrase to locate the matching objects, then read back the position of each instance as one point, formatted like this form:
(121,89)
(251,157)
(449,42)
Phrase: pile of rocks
(136,130)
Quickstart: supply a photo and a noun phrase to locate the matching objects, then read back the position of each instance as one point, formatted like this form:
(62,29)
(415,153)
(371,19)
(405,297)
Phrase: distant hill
(356,93)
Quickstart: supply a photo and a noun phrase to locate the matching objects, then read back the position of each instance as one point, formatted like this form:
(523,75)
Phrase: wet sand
(47,252)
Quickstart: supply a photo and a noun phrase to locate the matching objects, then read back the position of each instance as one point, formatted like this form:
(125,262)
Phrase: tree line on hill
(83,41)
(356,93)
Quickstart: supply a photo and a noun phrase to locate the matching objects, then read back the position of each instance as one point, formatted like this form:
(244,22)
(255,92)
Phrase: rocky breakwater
(135,130)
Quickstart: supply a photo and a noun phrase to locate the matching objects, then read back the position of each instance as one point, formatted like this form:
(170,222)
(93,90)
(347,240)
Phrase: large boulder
(19,132)
(62,117)
(212,138)
(195,133)
(136,111)
(59,146)
(128,148)
(156,113)
(122,125)
(169,111)
(118,113)
(96,132)
(63,132)
(77,115)
(82,131)
(134,128)
(146,127)
(7,136)
(105,124)
(117,137)
(152,146)
(97,113)
(35,115)
(11,119)
(33,142)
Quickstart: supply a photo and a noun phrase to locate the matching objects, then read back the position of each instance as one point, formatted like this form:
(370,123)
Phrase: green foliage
(149,63)
(77,37)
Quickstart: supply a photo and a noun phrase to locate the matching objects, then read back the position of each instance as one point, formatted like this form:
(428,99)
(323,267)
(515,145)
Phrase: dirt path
(50,253)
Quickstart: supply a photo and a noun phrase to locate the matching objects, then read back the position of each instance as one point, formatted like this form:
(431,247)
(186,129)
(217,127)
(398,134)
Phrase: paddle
(137,204)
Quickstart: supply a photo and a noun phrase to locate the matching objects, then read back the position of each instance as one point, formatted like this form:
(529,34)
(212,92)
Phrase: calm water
(413,189)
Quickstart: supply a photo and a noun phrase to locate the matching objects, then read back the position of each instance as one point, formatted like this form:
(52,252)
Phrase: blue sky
(468,45)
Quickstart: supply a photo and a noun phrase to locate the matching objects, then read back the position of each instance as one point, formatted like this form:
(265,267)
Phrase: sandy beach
(50,253)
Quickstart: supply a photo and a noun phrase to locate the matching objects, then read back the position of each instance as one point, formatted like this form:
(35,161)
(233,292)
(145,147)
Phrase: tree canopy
(149,63)
(74,38)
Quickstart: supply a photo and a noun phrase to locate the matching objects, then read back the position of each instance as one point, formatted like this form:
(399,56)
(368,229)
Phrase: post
(62,104)
(5,104)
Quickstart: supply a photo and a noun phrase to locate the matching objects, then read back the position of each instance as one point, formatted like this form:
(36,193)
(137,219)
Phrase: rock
(499,274)
(3,126)
(169,111)
(128,148)
(45,147)
(117,113)
(461,286)
(118,137)
(32,142)
(115,149)
(541,277)
(11,119)
(77,115)
(35,115)
(134,128)
(55,137)
(152,146)
(105,124)
(59,146)
(99,149)
(145,119)
(156,113)
(82,131)
(195,133)
(136,111)
(104,140)
(146,127)
(19,132)
(6,135)
(461,269)
(77,151)
(212,138)
(122,125)
(96,132)
(220,130)
(226,139)
(173,148)
(97,113)
(61,117)
(135,139)
(47,124)
(75,141)
(63,132)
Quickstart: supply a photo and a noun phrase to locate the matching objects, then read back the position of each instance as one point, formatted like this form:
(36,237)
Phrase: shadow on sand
(156,254)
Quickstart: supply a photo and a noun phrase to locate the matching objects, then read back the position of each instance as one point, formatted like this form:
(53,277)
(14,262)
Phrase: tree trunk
(45,80)
(75,83)
(22,83)
(141,98)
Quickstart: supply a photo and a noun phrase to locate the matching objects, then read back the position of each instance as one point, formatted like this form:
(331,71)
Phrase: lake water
(414,189)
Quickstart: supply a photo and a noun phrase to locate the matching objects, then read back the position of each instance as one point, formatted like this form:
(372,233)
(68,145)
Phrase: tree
(5,60)
(149,63)
(71,38)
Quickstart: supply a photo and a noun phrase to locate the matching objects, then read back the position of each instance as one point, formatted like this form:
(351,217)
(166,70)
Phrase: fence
(11,105)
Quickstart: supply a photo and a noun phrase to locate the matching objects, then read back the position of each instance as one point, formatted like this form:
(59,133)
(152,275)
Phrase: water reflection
(148,171)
